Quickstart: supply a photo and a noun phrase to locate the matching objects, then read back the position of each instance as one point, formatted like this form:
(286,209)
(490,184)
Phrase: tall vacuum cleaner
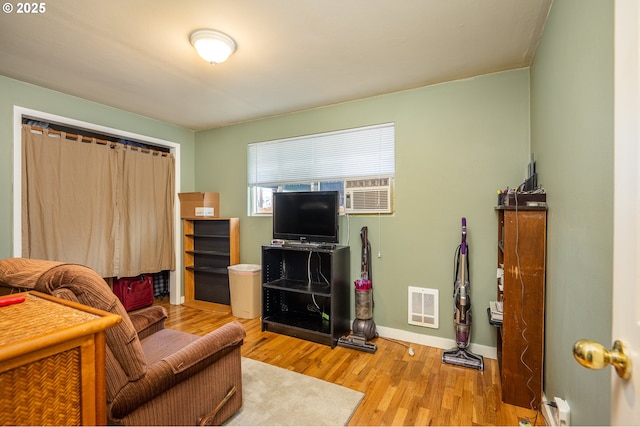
(363,328)
(459,355)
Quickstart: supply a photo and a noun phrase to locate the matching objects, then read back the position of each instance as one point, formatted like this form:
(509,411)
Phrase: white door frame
(175,277)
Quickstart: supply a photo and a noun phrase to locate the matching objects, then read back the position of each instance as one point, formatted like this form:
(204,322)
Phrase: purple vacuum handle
(463,245)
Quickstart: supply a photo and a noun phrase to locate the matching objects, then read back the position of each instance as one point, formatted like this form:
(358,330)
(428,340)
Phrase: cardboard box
(195,205)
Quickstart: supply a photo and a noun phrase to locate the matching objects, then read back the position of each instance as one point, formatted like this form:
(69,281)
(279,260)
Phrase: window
(318,162)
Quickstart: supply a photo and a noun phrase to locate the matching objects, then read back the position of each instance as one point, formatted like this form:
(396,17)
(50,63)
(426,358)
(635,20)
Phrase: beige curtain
(110,208)
(146,227)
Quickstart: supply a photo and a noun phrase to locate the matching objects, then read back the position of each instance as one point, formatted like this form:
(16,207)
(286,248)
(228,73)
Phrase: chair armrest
(203,349)
(178,367)
(149,320)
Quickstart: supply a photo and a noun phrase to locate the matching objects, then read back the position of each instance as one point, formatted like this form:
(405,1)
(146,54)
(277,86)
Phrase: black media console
(306,292)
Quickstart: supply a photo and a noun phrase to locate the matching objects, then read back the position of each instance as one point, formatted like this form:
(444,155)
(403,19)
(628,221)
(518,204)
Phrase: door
(625,394)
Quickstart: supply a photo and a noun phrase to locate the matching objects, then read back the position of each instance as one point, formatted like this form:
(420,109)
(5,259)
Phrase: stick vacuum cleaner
(363,328)
(462,310)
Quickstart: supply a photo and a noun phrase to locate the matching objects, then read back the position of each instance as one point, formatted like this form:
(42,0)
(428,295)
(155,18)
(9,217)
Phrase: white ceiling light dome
(213,46)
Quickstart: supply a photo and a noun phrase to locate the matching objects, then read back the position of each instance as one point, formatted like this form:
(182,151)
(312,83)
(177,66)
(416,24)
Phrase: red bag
(134,292)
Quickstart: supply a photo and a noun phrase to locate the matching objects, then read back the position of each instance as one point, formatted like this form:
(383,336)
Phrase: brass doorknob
(593,355)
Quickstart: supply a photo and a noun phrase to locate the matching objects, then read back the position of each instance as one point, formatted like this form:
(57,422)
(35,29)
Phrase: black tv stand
(317,308)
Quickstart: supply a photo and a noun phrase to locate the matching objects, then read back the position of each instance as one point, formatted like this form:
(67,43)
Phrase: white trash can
(245,290)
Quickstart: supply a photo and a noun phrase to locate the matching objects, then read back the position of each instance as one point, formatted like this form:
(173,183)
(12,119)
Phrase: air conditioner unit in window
(368,195)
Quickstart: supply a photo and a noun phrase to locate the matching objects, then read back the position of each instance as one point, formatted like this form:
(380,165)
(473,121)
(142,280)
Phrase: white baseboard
(431,341)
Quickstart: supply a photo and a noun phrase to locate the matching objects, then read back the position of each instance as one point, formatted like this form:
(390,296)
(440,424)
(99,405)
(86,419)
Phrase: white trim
(175,278)
(431,341)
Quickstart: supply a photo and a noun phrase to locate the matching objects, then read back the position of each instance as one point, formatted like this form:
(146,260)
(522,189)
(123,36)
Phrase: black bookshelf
(313,308)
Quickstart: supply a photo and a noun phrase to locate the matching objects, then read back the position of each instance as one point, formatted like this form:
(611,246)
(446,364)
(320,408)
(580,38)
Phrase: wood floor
(399,389)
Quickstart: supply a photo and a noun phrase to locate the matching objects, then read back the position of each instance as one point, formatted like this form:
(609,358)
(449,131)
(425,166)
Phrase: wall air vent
(368,195)
(423,307)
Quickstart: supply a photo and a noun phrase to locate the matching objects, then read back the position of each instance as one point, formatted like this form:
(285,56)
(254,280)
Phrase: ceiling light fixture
(213,46)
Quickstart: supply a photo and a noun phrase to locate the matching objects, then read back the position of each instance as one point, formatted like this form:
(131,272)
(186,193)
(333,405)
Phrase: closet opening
(169,282)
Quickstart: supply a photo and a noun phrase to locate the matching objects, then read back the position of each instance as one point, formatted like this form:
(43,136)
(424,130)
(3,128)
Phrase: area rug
(274,396)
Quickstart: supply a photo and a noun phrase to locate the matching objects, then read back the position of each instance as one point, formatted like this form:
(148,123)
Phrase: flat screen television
(306,216)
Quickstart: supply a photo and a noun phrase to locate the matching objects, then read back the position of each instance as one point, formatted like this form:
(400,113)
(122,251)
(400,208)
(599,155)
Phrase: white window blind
(366,151)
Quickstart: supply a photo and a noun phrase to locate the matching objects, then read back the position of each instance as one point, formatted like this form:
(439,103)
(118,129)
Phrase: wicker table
(52,362)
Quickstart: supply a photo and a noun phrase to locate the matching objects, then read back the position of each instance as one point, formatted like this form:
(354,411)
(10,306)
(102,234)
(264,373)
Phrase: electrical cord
(538,411)
(456,255)
(309,269)
(379,231)
(315,308)
(320,269)
(348,228)
(409,348)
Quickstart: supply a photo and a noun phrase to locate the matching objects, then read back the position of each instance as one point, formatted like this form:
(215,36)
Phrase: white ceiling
(292,55)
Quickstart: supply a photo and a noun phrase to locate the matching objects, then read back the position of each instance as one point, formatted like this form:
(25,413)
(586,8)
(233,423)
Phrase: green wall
(456,143)
(13,92)
(572,138)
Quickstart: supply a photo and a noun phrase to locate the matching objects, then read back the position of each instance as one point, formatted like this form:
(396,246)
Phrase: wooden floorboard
(399,389)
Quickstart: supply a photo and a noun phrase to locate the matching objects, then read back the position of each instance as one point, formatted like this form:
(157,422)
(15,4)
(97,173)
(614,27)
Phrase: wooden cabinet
(52,362)
(210,246)
(521,254)
(306,292)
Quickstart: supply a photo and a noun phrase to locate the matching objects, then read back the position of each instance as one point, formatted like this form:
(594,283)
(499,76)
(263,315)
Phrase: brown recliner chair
(155,376)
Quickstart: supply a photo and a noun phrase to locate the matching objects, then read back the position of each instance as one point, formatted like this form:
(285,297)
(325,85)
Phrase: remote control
(16,299)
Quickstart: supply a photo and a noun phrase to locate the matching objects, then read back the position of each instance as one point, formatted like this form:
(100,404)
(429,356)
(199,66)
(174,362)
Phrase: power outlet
(562,413)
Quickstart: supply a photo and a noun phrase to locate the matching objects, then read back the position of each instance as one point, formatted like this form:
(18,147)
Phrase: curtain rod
(99,141)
